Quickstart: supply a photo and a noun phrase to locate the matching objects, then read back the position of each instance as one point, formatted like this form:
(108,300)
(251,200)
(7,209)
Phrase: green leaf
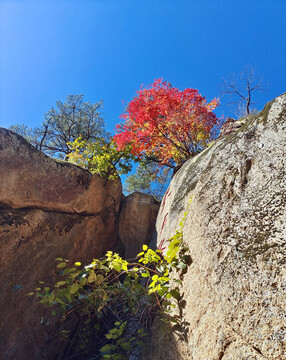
(181,265)
(61,265)
(145,247)
(140,343)
(96,326)
(60,283)
(92,277)
(106,348)
(74,288)
(117,267)
(60,301)
(126,346)
(31,293)
(175,293)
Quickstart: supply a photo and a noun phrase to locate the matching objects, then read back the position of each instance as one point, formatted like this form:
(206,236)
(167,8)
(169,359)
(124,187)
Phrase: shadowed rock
(51,209)
(137,222)
(48,209)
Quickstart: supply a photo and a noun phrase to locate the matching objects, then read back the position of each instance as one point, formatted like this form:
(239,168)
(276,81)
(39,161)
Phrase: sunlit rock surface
(235,289)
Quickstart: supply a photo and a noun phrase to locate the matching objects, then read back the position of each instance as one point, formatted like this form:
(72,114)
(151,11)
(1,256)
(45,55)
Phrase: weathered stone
(235,289)
(231,125)
(137,222)
(34,180)
(48,209)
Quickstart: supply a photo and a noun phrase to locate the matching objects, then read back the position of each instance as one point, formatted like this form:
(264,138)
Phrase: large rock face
(51,209)
(137,222)
(235,289)
(48,209)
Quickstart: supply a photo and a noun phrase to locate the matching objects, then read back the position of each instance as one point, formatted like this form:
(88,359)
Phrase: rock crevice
(51,209)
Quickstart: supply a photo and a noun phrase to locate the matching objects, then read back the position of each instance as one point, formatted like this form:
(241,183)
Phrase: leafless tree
(241,88)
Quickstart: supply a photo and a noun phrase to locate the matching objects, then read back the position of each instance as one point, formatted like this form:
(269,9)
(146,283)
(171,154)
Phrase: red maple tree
(165,124)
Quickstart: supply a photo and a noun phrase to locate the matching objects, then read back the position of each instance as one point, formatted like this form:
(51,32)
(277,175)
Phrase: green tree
(149,179)
(25,132)
(101,157)
(64,123)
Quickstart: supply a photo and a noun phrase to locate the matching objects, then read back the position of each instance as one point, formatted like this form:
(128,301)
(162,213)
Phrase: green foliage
(114,301)
(63,124)
(149,179)
(25,132)
(119,343)
(101,157)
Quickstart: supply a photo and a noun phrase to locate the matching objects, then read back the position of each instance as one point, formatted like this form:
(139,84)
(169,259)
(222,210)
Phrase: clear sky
(105,49)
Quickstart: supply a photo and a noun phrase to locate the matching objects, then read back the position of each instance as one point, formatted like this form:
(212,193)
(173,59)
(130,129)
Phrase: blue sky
(107,49)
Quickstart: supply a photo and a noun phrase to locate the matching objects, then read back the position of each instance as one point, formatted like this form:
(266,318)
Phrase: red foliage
(167,124)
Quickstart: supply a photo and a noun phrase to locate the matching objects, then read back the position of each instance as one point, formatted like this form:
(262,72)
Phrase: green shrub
(113,302)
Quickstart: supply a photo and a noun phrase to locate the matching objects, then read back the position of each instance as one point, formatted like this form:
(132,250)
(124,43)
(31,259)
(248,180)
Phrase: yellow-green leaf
(74,288)
(61,265)
(60,283)
(91,277)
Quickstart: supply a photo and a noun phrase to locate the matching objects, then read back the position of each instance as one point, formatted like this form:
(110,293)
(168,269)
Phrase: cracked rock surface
(235,288)
(51,209)
(48,209)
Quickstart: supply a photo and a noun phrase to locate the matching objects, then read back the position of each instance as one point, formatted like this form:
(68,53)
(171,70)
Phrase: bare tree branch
(241,88)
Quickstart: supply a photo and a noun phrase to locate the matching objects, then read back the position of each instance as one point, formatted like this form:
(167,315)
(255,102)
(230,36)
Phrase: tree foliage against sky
(69,120)
(167,125)
(163,126)
(26,132)
(64,123)
(149,179)
(101,157)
